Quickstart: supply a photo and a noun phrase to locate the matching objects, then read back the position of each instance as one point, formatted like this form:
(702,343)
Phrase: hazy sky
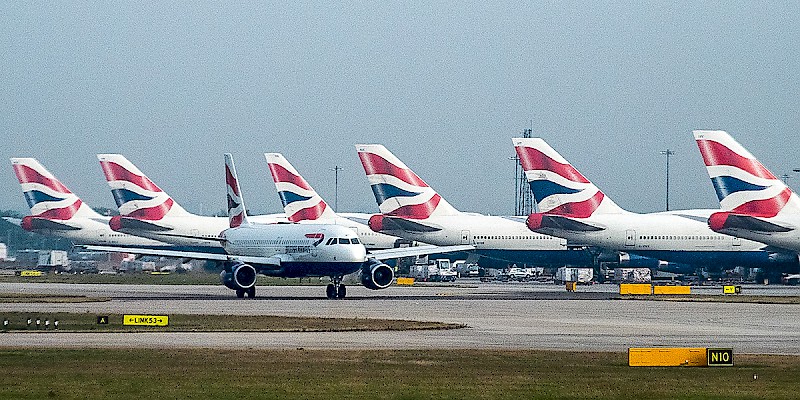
(444,85)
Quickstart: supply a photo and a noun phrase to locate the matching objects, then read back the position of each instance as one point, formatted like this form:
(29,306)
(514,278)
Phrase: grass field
(412,374)
(84,322)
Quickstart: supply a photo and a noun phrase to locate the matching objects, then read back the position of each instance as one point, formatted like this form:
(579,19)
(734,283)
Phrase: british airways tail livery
(411,209)
(755,203)
(397,189)
(559,188)
(47,197)
(300,201)
(56,211)
(573,208)
(135,194)
(237,213)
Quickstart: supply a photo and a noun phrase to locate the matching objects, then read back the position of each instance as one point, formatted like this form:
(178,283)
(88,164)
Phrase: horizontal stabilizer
(538,221)
(44,223)
(746,222)
(139,224)
(403,224)
(417,251)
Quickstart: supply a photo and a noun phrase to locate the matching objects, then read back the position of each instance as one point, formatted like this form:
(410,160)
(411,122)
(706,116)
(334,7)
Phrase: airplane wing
(195,255)
(15,221)
(417,251)
(746,222)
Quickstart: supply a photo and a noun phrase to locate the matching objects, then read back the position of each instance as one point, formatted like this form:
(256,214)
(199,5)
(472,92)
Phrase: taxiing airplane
(574,208)
(56,211)
(413,210)
(303,204)
(754,203)
(146,210)
(289,250)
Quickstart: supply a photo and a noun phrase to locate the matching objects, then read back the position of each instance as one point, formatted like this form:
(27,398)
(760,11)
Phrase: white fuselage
(95,231)
(675,236)
(304,244)
(495,237)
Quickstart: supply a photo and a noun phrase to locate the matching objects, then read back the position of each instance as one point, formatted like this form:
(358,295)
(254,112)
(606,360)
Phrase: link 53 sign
(146,320)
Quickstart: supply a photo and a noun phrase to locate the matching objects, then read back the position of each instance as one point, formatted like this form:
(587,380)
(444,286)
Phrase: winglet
(237,213)
(300,201)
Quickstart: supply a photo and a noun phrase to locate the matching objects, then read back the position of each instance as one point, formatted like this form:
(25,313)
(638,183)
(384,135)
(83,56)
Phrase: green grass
(376,374)
(85,322)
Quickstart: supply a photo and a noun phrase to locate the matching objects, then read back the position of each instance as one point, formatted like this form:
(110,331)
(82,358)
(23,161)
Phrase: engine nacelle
(238,275)
(376,275)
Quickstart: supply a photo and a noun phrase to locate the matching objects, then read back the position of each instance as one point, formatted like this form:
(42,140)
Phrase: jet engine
(237,275)
(376,275)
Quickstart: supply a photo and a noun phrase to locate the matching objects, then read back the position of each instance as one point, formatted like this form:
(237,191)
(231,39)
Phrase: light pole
(667,153)
(336,170)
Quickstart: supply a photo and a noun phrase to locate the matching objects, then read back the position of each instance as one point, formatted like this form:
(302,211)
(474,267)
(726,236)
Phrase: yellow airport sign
(731,289)
(720,357)
(30,272)
(665,289)
(667,357)
(145,320)
(635,288)
(405,281)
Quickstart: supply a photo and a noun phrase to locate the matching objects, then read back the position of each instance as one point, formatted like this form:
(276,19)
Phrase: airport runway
(498,316)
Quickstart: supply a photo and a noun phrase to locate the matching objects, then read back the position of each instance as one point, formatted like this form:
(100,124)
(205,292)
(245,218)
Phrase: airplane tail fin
(558,188)
(46,196)
(237,213)
(135,194)
(397,189)
(743,185)
(300,201)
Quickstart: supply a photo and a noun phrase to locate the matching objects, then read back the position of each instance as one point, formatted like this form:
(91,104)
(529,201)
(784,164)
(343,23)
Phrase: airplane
(288,250)
(56,211)
(574,208)
(146,210)
(754,203)
(303,204)
(411,209)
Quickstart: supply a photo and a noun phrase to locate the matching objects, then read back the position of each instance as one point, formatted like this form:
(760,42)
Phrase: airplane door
(466,238)
(630,237)
(101,236)
(736,242)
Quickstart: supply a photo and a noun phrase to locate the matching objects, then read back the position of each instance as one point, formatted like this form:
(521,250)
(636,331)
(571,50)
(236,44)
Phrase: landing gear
(250,292)
(335,289)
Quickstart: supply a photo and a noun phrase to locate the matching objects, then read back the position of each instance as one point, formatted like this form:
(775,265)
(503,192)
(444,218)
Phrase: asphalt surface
(498,316)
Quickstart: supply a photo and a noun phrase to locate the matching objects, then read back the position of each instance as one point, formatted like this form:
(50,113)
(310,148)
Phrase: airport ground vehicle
(440,270)
(572,274)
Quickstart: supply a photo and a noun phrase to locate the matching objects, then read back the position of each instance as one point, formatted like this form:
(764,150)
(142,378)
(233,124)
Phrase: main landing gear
(251,292)
(335,289)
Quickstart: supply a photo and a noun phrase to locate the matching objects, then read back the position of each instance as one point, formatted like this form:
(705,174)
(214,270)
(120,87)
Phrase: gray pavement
(498,316)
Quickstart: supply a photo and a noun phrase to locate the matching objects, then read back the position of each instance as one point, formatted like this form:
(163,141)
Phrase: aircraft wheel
(251,292)
(341,292)
(330,291)
(240,293)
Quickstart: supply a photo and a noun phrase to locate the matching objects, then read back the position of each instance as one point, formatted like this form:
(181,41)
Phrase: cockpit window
(354,241)
(344,241)
(330,241)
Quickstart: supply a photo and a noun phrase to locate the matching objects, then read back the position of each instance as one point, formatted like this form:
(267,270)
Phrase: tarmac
(497,316)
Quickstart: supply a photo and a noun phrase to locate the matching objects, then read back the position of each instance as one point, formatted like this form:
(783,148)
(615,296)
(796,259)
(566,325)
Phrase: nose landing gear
(336,289)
